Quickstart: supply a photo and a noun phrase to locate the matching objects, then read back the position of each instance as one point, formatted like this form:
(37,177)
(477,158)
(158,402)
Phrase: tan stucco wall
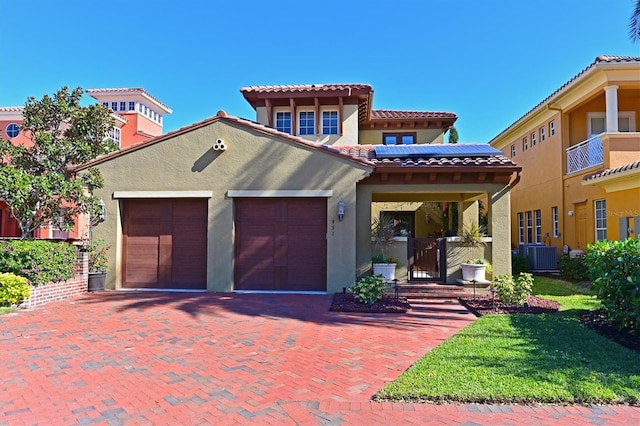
(374,137)
(252,161)
(349,124)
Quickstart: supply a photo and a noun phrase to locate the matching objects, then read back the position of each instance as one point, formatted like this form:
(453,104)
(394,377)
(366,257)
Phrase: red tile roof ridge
(304,87)
(12,109)
(609,172)
(599,60)
(378,114)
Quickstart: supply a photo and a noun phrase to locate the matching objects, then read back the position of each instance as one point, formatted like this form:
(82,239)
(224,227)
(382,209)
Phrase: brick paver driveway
(178,358)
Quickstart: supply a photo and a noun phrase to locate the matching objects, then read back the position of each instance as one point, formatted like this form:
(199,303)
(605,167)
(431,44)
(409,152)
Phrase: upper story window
(307,123)
(552,128)
(283,121)
(13,130)
(543,134)
(132,106)
(123,106)
(513,150)
(115,135)
(597,122)
(105,104)
(533,140)
(525,144)
(114,106)
(330,122)
(399,138)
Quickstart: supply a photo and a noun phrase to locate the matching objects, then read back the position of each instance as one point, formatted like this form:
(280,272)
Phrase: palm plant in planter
(473,234)
(98,264)
(382,235)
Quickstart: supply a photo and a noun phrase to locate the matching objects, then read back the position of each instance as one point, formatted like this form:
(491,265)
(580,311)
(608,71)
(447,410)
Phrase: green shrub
(614,267)
(573,268)
(38,261)
(519,264)
(513,291)
(13,289)
(369,289)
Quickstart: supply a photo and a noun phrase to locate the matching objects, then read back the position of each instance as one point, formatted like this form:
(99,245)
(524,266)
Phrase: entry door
(581,226)
(280,244)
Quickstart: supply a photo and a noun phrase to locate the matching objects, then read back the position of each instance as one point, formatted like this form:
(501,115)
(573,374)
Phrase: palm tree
(634,23)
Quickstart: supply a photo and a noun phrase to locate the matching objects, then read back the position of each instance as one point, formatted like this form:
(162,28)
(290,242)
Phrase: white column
(611,98)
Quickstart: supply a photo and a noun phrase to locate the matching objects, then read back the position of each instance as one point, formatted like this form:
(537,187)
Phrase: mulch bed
(486,305)
(598,322)
(346,302)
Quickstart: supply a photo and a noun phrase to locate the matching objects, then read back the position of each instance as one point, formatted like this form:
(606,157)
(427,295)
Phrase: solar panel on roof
(426,150)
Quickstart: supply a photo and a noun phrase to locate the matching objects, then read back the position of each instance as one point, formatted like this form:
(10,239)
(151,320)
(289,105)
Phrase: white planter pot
(387,270)
(473,272)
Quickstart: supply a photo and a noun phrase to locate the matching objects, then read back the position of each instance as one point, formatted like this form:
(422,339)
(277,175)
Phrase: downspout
(516,180)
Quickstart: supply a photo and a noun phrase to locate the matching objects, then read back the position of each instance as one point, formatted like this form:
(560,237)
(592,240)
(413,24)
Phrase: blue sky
(488,61)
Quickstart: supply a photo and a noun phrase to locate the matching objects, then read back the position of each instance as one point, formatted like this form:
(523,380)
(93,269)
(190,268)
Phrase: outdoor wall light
(103,213)
(570,212)
(341,205)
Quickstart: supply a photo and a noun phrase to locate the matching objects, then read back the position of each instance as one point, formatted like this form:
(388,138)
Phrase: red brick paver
(178,358)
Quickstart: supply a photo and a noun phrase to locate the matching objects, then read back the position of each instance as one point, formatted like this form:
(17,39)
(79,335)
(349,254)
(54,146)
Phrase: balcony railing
(584,155)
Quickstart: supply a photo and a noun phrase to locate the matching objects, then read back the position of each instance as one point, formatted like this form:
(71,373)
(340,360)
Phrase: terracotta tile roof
(599,60)
(368,152)
(387,114)
(139,90)
(610,172)
(297,88)
(12,109)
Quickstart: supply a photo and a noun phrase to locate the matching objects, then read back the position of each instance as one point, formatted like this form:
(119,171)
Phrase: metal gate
(427,259)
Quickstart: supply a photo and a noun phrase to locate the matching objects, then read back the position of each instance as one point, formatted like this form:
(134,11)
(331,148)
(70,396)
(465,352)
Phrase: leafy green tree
(37,180)
(453,136)
(634,23)
(452,210)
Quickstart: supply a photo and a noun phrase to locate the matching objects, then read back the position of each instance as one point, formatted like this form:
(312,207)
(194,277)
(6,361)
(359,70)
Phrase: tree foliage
(453,136)
(37,180)
(634,23)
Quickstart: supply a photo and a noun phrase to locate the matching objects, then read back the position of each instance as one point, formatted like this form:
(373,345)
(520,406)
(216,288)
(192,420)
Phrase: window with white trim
(597,122)
(521,228)
(140,108)
(132,106)
(533,140)
(600,210)
(529,227)
(538,222)
(123,105)
(543,134)
(525,144)
(513,150)
(283,121)
(114,134)
(306,123)
(329,122)
(556,222)
(114,106)
(399,138)
(552,128)
(13,130)
(105,104)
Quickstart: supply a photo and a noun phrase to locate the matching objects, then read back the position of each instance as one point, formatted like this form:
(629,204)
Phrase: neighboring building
(286,202)
(579,150)
(137,115)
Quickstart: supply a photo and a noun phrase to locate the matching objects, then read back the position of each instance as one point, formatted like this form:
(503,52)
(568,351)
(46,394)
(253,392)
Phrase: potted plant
(382,235)
(98,264)
(473,269)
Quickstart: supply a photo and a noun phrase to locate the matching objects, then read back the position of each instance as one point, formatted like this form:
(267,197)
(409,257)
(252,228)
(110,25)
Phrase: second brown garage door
(281,244)
(165,243)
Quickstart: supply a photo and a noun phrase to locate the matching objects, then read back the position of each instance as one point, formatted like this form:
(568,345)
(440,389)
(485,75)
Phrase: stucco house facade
(580,155)
(137,116)
(285,202)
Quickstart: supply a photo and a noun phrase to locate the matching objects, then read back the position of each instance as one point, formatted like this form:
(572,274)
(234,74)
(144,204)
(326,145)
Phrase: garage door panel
(279,250)
(165,243)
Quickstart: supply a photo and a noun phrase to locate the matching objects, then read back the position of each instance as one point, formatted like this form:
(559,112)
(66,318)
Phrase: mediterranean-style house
(580,155)
(137,116)
(286,202)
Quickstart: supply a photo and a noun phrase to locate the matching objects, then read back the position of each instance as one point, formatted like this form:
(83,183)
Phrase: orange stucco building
(137,115)
(580,155)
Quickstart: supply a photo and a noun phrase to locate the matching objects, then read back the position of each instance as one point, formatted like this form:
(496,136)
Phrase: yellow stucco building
(580,155)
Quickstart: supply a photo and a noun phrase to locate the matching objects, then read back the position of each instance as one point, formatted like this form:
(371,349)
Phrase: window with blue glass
(13,130)
(132,106)
(283,122)
(307,123)
(330,122)
(398,138)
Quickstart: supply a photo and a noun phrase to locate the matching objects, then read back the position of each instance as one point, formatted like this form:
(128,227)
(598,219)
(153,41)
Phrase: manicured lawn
(547,358)
(7,309)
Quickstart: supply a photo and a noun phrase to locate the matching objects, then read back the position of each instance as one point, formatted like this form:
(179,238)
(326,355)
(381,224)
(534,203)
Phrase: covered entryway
(164,243)
(281,244)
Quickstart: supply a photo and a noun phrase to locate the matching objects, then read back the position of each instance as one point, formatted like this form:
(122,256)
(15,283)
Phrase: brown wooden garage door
(165,243)
(281,244)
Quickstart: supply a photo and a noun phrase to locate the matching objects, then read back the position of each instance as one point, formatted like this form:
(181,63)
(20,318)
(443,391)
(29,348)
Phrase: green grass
(7,309)
(526,358)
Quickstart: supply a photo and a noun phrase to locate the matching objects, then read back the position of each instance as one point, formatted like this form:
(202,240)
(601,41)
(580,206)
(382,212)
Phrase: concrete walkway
(201,358)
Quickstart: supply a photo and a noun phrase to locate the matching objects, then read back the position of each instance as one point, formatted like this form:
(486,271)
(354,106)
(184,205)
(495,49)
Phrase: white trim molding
(308,193)
(162,194)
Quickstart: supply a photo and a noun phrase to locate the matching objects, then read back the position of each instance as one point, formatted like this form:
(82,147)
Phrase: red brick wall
(74,286)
